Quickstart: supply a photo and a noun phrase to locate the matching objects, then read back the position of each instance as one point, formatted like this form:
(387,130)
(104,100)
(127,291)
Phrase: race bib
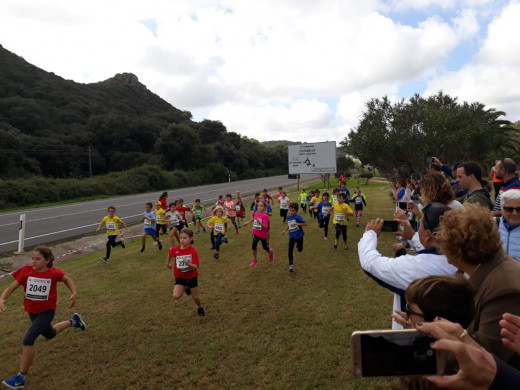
(182,263)
(325,210)
(256,224)
(147,223)
(340,217)
(219,228)
(292,225)
(359,200)
(303,200)
(334,199)
(283,205)
(111,226)
(237,207)
(37,289)
(197,212)
(158,218)
(228,207)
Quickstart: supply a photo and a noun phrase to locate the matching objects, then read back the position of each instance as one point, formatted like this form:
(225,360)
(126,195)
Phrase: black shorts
(191,283)
(179,227)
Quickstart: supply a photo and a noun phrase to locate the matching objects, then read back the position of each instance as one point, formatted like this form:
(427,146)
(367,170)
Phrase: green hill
(48,124)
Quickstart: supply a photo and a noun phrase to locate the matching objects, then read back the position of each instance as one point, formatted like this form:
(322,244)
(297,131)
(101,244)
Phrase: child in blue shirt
(149,226)
(324,207)
(294,226)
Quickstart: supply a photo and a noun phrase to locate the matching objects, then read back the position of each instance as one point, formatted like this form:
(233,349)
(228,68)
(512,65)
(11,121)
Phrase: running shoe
(105,259)
(200,312)
(16,382)
(216,256)
(212,248)
(325,238)
(187,291)
(345,247)
(198,232)
(237,232)
(253,263)
(204,229)
(271,255)
(123,243)
(225,240)
(77,322)
(159,244)
(142,249)
(291,268)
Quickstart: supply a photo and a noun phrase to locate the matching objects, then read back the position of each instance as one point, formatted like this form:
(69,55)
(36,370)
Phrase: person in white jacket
(395,274)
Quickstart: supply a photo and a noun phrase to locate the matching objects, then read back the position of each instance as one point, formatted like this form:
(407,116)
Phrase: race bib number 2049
(37,289)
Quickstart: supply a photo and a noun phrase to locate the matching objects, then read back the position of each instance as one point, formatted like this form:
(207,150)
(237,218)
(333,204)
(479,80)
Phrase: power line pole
(90,161)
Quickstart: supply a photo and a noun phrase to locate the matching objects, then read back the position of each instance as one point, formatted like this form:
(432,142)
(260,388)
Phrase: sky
(299,70)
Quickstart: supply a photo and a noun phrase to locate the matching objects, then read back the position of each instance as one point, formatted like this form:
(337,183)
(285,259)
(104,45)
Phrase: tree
(401,135)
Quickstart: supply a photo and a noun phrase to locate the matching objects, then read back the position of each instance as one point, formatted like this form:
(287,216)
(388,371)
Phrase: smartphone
(429,160)
(387,353)
(402,205)
(390,226)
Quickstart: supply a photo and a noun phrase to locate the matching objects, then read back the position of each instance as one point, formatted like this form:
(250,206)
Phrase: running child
(219,202)
(309,198)
(303,200)
(164,201)
(39,282)
(316,199)
(344,190)
(149,226)
(229,206)
(240,211)
(335,193)
(260,221)
(182,209)
(279,193)
(252,207)
(185,269)
(294,226)
(217,223)
(341,212)
(198,212)
(112,222)
(268,198)
(175,223)
(160,221)
(268,207)
(323,208)
(359,200)
(284,205)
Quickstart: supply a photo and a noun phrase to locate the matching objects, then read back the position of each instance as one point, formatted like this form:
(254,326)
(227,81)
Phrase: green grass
(265,327)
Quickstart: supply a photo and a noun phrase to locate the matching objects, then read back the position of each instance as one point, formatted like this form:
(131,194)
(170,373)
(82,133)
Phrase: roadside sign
(319,157)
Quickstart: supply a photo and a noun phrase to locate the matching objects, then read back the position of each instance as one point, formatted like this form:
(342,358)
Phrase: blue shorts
(150,231)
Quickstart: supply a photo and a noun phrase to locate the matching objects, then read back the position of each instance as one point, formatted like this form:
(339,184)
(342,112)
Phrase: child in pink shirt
(260,221)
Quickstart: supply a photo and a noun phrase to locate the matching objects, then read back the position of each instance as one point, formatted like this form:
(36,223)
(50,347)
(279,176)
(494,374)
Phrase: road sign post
(319,157)
(21,235)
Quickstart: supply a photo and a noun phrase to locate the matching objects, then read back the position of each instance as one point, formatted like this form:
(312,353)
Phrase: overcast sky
(300,70)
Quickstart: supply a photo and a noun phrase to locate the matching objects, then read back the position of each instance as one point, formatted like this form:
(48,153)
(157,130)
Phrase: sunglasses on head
(409,311)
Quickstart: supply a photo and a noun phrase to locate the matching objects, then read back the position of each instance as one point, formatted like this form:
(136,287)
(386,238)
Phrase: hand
(375,225)
(72,301)
(407,231)
(397,246)
(168,265)
(400,214)
(3,307)
(402,319)
(128,230)
(510,331)
(477,366)
(414,209)
(437,162)
(283,232)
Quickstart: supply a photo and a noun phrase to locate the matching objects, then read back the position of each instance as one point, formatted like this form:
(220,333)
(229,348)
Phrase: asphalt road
(54,223)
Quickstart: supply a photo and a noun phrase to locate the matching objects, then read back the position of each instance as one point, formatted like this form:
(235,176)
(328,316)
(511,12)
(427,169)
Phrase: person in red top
(185,269)
(39,283)
(181,209)
(268,197)
(241,211)
(164,201)
(497,183)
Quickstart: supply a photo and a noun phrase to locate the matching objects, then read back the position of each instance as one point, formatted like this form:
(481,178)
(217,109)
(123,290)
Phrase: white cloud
(493,77)
(466,24)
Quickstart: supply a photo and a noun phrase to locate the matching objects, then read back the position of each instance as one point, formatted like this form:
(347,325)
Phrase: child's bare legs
(178,291)
(174,234)
(195,296)
(143,239)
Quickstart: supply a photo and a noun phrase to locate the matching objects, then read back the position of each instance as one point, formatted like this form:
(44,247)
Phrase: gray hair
(509,195)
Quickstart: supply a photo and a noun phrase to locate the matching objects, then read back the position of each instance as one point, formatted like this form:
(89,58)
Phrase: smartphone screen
(402,205)
(393,353)
(390,226)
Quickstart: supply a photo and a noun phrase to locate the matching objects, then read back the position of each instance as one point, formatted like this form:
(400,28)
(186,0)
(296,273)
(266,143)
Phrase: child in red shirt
(39,282)
(185,269)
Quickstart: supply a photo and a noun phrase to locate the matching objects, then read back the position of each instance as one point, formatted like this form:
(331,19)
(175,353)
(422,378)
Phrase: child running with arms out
(149,220)
(185,269)
(260,221)
(294,226)
(198,212)
(217,223)
(112,222)
(359,200)
(341,212)
(39,281)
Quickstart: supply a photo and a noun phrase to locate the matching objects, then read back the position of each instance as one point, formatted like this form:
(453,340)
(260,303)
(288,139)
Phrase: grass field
(265,328)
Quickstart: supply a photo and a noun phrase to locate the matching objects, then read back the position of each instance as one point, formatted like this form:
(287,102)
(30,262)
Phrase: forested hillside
(48,124)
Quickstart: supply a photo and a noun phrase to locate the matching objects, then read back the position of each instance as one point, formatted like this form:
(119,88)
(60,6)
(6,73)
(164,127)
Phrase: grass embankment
(265,327)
